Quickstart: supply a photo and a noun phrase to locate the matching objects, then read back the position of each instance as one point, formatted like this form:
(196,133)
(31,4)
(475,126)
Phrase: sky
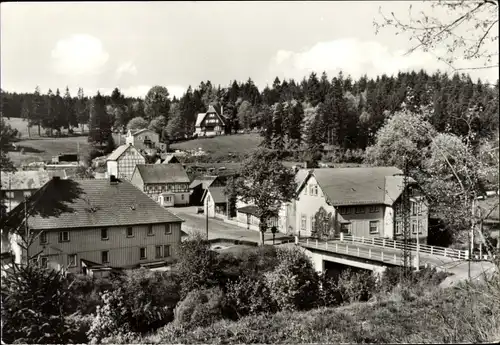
(136,45)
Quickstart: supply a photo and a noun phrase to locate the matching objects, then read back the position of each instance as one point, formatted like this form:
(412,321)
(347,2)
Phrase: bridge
(376,254)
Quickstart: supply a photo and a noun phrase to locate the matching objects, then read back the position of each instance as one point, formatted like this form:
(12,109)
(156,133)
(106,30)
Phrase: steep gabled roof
(170,158)
(142,131)
(217,194)
(358,186)
(93,203)
(205,181)
(22,180)
(120,150)
(201,116)
(162,173)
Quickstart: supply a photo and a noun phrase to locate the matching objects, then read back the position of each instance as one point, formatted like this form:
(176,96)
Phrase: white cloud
(126,67)
(79,55)
(352,57)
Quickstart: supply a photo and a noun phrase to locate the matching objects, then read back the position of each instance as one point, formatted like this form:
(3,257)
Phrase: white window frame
(131,230)
(420,227)
(168,229)
(44,261)
(61,236)
(374,209)
(9,195)
(376,222)
(158,252)
(27,193)
(303,222)
(399,227)
(167,249)
(414,227)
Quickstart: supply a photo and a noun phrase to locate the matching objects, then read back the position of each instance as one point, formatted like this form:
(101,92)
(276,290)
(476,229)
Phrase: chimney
(113,179)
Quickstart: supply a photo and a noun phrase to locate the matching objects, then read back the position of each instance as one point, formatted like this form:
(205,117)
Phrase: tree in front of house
(324,224)
(264,182)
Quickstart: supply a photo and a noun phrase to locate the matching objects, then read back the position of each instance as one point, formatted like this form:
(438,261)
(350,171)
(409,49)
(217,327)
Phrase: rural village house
(145,140)
(167,184)
(215,202)
(122,161)
(198,187)
(20,184)
(102,224)
(364,202)
(209,123)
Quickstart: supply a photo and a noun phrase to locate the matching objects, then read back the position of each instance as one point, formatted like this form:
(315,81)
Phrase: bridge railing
(421,248)
(353,249)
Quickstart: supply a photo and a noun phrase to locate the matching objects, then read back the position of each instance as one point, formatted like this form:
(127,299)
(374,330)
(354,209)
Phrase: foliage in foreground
(467,313)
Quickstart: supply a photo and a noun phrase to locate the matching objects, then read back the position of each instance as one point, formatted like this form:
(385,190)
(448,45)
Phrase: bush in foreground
(200,308)
(294,284)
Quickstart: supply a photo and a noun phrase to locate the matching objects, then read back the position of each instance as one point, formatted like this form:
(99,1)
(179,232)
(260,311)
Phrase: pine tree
(26,114)
(82,109)
(37,109)
(70,111)
(99,124)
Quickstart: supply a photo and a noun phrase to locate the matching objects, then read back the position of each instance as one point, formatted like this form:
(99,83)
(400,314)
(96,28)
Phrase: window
(150,230)
(413,208)
(414,227)
(166,251)
(373,209)
(43,237)
(182,196)
(72,260)
(345,210)
(168,229)
(142,253)
(313,223)
(27,193)
(399,227)
(420,227)
(105,257)
(305,190)
(419,208)
(360,209)
(104,234)
(303,222)
(345,228)
(130,232)
(9,195)
(158,251)
(44,262)
(374,227)
(64,236)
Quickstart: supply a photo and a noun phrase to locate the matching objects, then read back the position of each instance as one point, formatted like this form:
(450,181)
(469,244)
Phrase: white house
(144,139)
(210,123)
(364,202)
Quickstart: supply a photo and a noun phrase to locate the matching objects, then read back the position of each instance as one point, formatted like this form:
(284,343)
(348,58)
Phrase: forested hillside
(318,110)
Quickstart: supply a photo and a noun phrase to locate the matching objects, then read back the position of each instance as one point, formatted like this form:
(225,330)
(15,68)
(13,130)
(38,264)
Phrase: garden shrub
(293,284)
(200,308)
(249,295)
(329,294)
(197,265)
(356,286)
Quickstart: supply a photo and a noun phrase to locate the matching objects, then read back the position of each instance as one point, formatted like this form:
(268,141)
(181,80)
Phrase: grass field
(22,127)
(239,143)
(42,149)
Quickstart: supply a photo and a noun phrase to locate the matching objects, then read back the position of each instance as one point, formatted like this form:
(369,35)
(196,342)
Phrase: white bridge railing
(393,244)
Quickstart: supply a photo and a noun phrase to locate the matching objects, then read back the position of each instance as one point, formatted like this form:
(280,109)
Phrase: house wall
(209,205)
(417,219)
(180,198)
(123,251)
(308,205)
(138,140)
(127,162)
(136,180)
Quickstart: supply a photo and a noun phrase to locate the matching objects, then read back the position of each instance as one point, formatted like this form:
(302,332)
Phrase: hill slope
(237,143)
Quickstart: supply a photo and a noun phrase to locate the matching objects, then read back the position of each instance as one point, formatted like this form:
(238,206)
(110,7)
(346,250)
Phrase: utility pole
(406,254)
(206,217)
